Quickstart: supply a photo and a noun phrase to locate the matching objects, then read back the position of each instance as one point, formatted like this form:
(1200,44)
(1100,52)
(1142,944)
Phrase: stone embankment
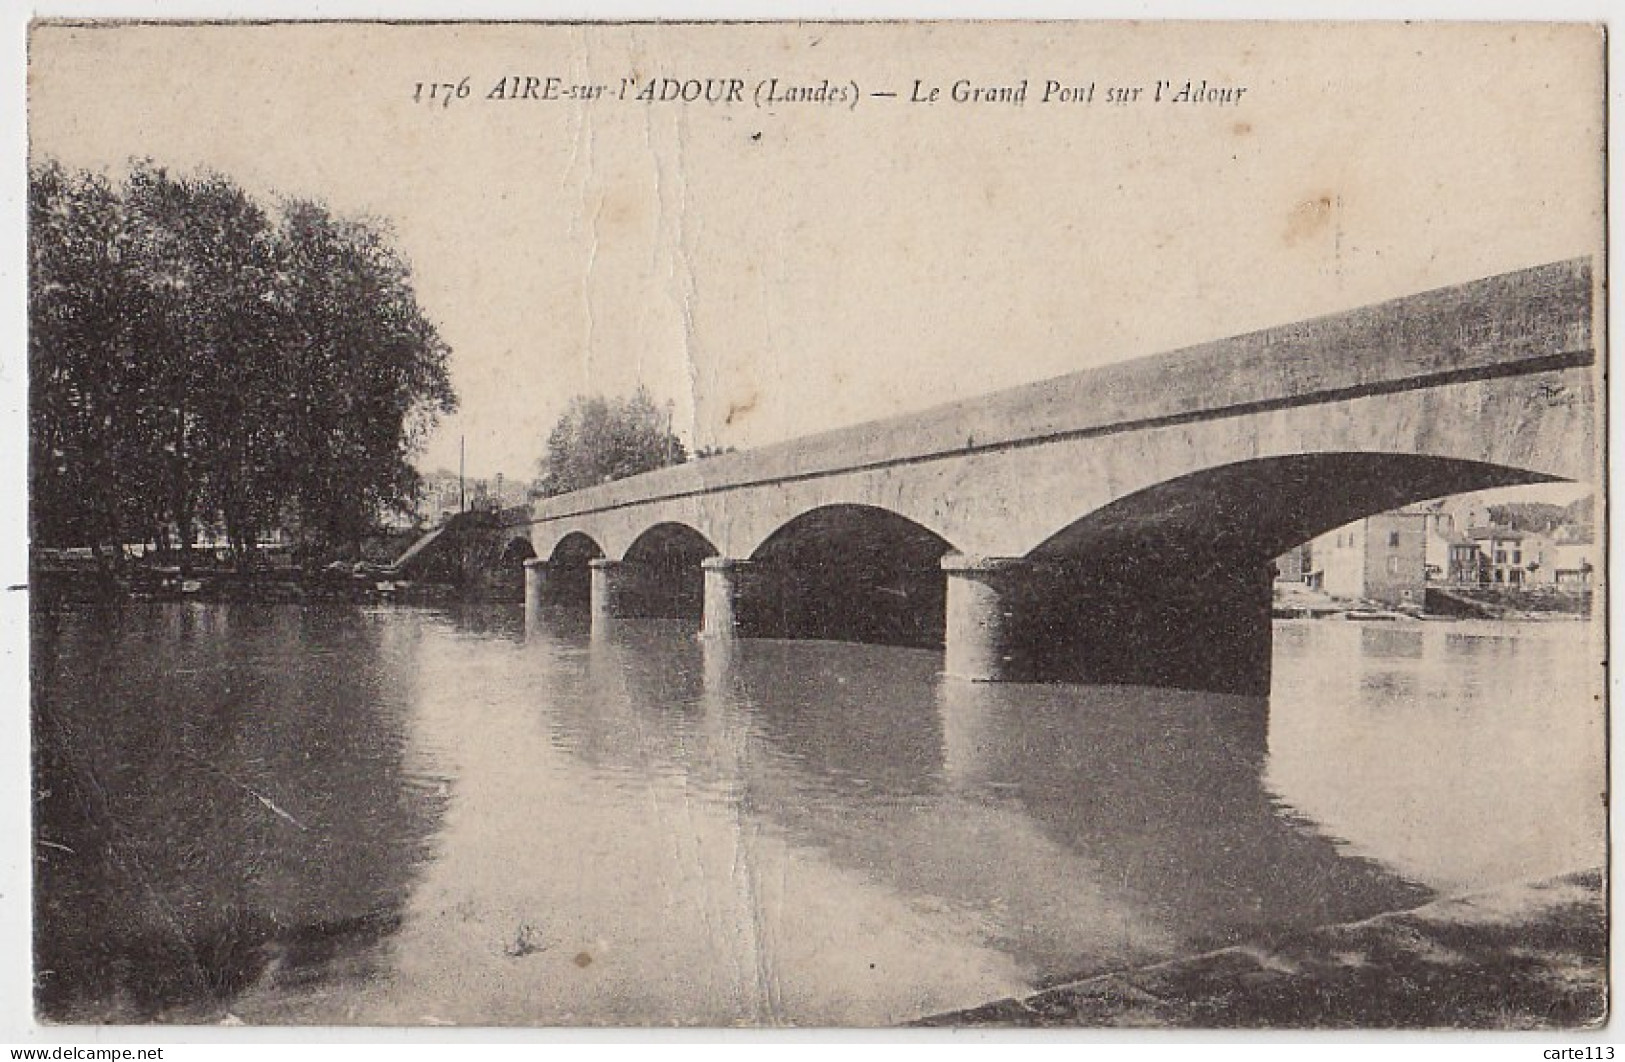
(1525,957)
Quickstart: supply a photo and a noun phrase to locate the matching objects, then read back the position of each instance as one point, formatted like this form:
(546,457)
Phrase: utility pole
(462,455)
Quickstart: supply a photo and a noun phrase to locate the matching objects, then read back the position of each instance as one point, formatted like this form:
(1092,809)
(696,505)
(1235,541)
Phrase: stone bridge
(1114,525)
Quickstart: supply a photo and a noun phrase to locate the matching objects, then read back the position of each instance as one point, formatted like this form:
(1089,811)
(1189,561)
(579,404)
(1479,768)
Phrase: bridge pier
(535,590)
(720,618)
(629,589)
(979,616)
(535,582)
(1153,622)
(1158,620)
(609,584)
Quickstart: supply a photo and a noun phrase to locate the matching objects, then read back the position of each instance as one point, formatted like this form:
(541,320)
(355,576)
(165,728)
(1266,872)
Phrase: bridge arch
(669,539)
(663,577)
(569,572)
(498,565)
(1256,509)
(1170,584)
(516,552)
(575,547)
(848,572)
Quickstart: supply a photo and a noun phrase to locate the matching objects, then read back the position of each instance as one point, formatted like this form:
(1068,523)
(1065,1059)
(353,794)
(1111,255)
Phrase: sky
(778,270)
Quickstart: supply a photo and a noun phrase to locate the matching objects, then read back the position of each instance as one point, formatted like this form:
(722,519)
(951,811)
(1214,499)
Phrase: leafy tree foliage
(600,439)
(1540,517)
(199,361)
(1581,516)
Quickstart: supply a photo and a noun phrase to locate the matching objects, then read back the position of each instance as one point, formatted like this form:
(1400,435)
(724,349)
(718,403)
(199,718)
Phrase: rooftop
(1478,534)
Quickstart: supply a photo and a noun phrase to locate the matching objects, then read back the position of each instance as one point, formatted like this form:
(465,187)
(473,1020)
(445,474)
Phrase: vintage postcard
(768,524)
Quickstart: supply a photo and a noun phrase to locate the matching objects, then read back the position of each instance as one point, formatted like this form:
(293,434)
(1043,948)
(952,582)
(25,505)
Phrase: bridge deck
(1528,321)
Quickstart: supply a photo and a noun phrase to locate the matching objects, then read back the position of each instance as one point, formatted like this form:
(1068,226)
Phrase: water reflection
(848,725)
(208,811)
(1461,754)
(486,815)
(1161,791)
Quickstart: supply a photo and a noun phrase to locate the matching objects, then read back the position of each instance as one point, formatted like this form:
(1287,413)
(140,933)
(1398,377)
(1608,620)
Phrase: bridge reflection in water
(1084,828)
(512,819)
(1065,813)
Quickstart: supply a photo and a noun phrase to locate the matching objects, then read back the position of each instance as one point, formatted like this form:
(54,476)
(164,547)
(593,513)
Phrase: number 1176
(442,92)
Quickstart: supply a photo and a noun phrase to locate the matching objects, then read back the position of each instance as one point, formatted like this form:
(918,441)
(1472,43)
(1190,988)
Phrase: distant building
(1505,562)
(1463,563)
(1381,558)
(1567,560)
(442,495)
(1574,565)
(1448,556)
(1293,565)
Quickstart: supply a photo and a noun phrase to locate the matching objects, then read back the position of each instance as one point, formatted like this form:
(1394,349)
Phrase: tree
(599,440)
(1527,516)
(203,257)
(197,359)
(365,371)
(79,359)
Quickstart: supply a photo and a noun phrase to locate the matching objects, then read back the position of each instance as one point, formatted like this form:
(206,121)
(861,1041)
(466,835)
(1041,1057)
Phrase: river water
(407,815)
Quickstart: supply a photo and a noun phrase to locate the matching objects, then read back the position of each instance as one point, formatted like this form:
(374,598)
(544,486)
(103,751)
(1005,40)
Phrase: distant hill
(1545,518)
(1582,513)
(1542,517)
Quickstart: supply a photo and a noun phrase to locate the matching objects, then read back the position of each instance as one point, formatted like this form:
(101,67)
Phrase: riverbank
(1525,957)
(1294,601)
(360,584)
